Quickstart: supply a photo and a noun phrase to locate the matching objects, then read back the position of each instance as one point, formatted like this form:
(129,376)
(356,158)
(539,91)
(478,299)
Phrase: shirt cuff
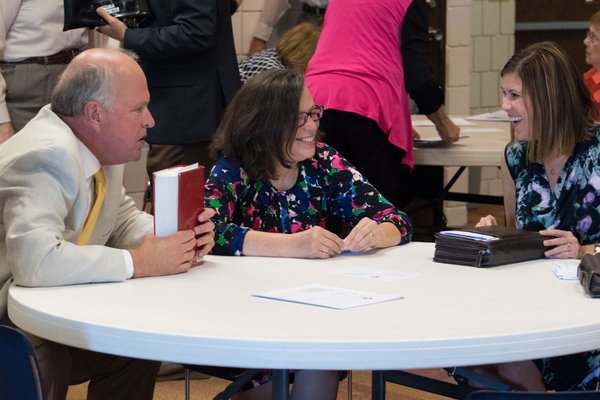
(262,31)
(4,117)
(128,264)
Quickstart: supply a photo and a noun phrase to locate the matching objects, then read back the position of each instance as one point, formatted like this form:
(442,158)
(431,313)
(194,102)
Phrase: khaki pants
(111,377)
(28,89)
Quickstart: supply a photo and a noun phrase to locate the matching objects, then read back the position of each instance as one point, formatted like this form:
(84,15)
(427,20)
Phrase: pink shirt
(357,66)
(592,81)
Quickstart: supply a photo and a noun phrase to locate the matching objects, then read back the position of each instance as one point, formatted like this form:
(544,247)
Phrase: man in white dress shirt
(313,11)
(34,51)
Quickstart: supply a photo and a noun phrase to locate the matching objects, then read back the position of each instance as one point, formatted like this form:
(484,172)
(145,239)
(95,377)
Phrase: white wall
(458,60)
(493,43)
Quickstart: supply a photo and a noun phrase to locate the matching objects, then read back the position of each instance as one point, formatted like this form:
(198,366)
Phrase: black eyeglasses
(315,113)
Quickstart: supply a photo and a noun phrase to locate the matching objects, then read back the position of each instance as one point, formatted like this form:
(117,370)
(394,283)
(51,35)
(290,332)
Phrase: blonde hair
(560,107)
(595,20)
(297,46)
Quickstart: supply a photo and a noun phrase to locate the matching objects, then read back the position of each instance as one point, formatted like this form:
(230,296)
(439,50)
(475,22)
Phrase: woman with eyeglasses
(592,57)
(275,183)
(274,186)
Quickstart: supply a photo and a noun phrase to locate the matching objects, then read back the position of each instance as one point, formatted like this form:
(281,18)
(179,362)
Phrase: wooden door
(562,21)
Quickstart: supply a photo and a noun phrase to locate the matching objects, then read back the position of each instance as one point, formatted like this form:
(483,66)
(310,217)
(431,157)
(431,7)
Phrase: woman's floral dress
(574,206)
(327,185)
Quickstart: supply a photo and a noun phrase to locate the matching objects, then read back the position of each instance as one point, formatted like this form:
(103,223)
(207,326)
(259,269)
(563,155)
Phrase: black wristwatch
(597,248)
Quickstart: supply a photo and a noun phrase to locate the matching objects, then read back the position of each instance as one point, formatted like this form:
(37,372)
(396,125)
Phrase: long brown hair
(560,106)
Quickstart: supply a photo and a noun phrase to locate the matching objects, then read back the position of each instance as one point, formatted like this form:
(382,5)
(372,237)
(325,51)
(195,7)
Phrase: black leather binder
(506,246)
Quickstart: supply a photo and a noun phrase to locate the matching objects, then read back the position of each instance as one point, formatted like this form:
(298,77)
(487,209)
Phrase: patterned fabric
(573,206)
(261,61)
(575,203)
(592,81)
(327,185)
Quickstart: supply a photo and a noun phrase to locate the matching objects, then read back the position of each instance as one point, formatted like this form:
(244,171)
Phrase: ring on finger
(372,236)
(568,246)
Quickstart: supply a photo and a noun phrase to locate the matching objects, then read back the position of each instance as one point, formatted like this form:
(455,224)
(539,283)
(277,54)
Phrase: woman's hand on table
(488,220)
(316,243)
(363,236)
(370,234)
(565,244)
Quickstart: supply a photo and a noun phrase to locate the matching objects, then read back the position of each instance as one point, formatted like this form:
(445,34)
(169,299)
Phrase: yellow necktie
(92,217)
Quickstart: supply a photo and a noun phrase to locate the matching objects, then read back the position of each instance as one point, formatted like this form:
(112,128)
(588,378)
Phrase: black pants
(362,142)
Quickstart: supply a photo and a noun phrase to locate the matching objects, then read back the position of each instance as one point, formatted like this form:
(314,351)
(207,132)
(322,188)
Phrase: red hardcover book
(178,199)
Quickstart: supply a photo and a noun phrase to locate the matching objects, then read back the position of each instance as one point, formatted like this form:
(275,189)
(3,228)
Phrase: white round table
(450,315)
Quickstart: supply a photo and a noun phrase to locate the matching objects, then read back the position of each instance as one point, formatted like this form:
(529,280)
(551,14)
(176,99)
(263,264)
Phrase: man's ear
(93,113)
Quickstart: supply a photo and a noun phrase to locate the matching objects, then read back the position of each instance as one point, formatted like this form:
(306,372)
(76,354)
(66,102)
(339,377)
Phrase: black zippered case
(512,245)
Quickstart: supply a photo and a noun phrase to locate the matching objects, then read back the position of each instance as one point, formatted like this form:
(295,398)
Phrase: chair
(19,372)
(495,395)
(240,377)
(431,385)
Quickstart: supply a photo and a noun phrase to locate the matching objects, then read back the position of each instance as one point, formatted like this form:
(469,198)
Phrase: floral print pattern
(327,185)
(574,205)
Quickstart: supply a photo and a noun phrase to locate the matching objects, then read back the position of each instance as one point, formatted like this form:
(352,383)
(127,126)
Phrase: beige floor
(206,389)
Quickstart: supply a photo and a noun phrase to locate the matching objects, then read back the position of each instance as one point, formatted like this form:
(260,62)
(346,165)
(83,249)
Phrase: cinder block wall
(480,39)
(493,43)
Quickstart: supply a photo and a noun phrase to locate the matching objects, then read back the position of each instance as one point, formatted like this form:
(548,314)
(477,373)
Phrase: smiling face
(304,144)
(123,129)
(592,47)
(513,102)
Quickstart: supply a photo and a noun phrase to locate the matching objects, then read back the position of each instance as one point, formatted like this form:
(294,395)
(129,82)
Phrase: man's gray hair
(85,82)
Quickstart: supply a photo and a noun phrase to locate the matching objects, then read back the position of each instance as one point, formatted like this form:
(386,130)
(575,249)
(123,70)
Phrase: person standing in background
(369,54)
(313,11)
(592,57)
(34,51)
(293,51)
(187,53)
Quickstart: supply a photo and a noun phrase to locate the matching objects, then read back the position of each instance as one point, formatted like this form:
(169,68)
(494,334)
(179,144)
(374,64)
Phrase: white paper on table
(479,130)
(470,235)
(457,121)
(372,273)
(566,269)
(433,142)
(496,116)
(327,296)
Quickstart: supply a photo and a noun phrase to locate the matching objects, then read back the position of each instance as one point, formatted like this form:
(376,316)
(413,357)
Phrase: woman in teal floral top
(551,184)
(274,179)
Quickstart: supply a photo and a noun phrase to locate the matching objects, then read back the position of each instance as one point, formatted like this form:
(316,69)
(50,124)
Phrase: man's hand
(256,46)
(164,255)
(6,131)
(115,28)
(205,232)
